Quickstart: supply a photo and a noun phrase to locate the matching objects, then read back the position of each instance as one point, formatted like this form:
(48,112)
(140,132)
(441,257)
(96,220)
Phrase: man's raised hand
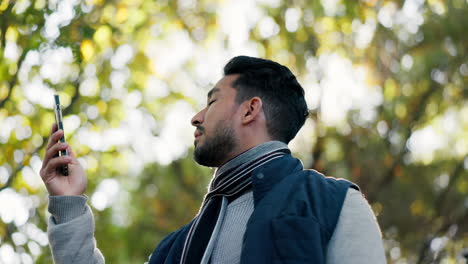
(56,183)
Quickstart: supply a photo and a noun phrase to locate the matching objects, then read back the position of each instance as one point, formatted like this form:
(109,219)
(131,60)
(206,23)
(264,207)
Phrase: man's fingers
(54,128)
(70,152)
(52,131)
(54,138)
(55,163)
(52,152)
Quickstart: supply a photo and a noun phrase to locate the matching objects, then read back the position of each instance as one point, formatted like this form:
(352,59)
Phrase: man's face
(215,136)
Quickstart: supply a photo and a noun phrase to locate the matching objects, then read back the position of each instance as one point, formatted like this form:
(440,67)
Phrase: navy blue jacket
(295,214)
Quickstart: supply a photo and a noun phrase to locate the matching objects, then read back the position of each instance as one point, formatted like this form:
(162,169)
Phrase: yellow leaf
(3,91)
(4,5)
(87,49)
(11,34)
(417,207)
(102,36)
(102,107)
(94,2)
(122,14)
(400,110)
(390,89)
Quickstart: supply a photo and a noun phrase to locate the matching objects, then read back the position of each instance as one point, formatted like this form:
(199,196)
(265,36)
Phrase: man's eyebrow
(212,91)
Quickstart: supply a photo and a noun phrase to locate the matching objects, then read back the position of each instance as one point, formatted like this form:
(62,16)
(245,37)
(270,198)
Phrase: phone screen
(58,119)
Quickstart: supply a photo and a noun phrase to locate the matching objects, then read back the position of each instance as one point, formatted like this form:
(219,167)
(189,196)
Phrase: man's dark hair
(283,97)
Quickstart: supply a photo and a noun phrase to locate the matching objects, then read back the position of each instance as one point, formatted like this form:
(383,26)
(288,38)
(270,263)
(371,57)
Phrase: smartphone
(58,119)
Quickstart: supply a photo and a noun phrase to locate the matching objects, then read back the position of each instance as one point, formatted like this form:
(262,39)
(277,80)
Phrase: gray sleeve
(357,237)
(71,231)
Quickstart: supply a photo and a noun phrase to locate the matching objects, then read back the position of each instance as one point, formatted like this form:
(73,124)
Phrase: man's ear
(252,110)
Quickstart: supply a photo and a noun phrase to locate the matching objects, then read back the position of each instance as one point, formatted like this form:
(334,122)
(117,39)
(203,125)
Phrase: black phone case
(58,119)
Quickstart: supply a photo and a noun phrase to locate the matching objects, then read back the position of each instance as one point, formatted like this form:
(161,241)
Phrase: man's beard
(215,149)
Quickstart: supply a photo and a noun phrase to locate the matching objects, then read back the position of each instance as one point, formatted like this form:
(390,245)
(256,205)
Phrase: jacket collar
(271,173)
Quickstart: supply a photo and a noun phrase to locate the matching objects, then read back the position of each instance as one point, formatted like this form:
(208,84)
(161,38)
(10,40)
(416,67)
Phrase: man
(261,207)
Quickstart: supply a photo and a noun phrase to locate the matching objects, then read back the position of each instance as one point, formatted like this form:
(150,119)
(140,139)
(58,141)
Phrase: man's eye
(211,102)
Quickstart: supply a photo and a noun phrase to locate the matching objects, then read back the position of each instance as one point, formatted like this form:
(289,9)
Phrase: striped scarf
(229,182)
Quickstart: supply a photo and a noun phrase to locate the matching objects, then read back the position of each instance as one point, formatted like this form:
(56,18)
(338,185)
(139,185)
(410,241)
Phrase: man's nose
(197,119)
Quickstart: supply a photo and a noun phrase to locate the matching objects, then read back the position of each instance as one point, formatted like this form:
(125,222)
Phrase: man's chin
(196,142)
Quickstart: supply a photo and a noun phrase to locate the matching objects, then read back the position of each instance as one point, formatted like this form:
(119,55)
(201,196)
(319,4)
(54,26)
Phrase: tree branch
(457,172)
(389,175)
(4,25)
(14,79)
(12,176)
(423,255)
(440,201)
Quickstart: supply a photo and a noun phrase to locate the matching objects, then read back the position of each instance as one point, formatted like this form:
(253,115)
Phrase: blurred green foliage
(414,53)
